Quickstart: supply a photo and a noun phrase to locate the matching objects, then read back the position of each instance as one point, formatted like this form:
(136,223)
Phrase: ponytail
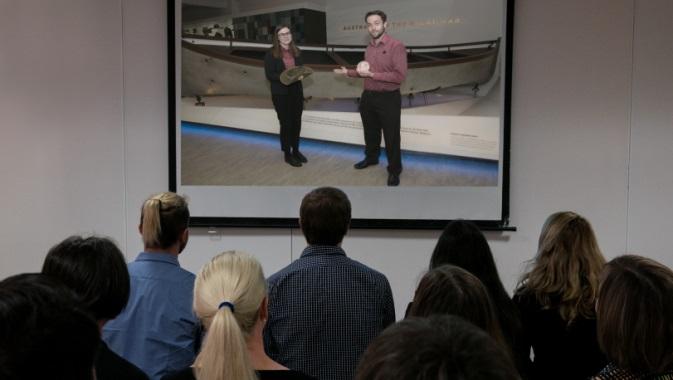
(228,293)
(224,354)
(163,218)
(151,222)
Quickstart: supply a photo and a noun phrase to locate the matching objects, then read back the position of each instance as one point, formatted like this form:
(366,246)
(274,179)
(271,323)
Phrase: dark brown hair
(452,290)
(438,347)
(377,12)
(95,269)
(635,314)
(276,49)
(324,216)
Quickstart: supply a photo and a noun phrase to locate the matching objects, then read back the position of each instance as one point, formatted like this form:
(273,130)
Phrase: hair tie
(226,304)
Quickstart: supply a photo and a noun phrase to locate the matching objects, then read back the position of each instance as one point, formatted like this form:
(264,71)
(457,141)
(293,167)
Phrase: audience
(464,245)
(230,299)
(439,347)
(325,308)
(157,331)
(95,269)
(452,290)
(635,319)
(43,332)
(325,313)
(556,297)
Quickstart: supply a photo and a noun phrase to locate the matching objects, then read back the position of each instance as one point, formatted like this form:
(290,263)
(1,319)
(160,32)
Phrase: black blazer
(273,67)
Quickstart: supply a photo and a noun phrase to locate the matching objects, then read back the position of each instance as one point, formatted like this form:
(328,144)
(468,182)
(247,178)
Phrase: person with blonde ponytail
(557,297)
(157,331)
(230,300)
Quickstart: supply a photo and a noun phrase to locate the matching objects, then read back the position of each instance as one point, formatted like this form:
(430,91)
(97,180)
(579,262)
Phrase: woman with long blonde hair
(230,300)
(556,297)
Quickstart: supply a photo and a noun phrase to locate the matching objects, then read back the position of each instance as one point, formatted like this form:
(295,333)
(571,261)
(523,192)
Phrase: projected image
(450,127)
(405,110)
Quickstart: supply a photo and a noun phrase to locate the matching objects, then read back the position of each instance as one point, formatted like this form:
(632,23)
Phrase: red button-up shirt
(388,61)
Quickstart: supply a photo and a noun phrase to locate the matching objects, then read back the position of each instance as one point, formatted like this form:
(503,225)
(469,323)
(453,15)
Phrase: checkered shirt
(324,309)
(612,372)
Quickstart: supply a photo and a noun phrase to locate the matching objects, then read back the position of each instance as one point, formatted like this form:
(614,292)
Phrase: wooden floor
(225,157)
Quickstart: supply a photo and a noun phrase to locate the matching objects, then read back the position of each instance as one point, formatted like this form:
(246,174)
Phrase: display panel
(454,127)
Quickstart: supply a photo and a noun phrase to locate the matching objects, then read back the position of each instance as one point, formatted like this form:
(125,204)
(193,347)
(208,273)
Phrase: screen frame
(365,223)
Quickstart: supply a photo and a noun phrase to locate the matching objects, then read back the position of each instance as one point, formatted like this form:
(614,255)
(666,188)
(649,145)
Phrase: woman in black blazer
(288,101)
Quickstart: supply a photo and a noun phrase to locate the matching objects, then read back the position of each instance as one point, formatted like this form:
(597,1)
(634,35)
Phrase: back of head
(43,334)
(464,245)
(228,294)
(635,314)
(452,290)
(324,216)
(566,270)
(95,269)
(441,347)
(163,218)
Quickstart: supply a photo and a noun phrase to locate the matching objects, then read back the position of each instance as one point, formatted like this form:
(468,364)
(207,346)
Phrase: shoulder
(395,42)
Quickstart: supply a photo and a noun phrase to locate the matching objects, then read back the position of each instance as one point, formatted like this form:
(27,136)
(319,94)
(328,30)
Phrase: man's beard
(375,36)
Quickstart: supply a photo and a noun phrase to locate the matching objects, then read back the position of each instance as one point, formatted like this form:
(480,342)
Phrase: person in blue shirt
(157,331)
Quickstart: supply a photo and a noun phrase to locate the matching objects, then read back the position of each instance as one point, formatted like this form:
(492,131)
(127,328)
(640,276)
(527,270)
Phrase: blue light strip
(433,162)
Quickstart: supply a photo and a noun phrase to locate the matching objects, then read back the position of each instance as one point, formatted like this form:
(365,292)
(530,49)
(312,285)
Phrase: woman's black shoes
(292,160)
(297,154)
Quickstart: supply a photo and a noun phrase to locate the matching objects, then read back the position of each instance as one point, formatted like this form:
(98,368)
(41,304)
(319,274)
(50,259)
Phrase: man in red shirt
(380,104)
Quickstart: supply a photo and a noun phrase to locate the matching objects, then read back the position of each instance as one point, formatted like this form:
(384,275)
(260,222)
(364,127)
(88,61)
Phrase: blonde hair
(237,278)
(163,218)
(565,273)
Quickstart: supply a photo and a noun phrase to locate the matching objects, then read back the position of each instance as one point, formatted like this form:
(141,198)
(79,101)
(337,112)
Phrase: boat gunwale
(492,49)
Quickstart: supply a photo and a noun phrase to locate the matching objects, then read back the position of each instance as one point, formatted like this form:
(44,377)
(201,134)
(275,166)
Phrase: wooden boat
(212,66)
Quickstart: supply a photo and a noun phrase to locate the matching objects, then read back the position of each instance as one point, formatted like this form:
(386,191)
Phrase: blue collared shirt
(324,309)
(157,331)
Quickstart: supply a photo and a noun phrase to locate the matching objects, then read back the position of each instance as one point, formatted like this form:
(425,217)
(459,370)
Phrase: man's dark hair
(377,12)
(43,332)
(95,269)
(324,216)
(438,347)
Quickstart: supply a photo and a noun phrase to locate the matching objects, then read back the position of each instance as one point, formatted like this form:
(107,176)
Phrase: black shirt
(562,351)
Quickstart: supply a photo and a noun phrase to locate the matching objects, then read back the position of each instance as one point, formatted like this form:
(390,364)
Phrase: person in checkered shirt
(325,308)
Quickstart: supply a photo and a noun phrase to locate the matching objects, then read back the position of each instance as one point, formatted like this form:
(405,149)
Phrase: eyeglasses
(284,34)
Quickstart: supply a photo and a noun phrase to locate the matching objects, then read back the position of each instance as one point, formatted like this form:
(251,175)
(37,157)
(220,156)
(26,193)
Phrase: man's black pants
(381,110)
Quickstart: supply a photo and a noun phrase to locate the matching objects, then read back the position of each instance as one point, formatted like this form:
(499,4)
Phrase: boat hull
(204,74)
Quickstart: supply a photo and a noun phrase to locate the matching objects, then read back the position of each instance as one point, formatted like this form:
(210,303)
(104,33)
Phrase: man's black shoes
(297,154)
(393,179)
(364,163)
(292,160)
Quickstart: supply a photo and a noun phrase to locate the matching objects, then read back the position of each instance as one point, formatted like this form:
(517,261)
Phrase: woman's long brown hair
(276,48)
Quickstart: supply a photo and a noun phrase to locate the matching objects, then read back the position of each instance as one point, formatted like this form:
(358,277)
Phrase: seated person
(437,347)
(325,308)
(158,331)
(230,300)
(95,269)
(556,298)
(44,334)
(464,245)
(449,289)
(635,319)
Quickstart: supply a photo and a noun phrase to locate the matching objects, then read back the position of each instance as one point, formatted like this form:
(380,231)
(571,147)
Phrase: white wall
(84,136)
